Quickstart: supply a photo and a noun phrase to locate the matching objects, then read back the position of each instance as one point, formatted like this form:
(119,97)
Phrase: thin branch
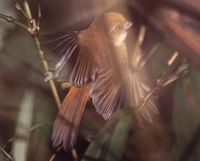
(46,69)
(15,137)
(8,142)
(163,81)
(148,96)
(36,127)
(27,10)
(173,58)
(74,154)
(136,57)
(19,7)
(171,28)
(34,29)
(53,157)
(144,61)
(6,154)
(10,19)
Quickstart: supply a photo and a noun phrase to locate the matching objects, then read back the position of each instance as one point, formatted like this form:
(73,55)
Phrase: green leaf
(118,139)
(110,142)
(187,116)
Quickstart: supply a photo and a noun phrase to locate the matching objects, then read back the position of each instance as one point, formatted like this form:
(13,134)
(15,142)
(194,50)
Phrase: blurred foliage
(174,136)
(21,71)
(187,115)
(110,142)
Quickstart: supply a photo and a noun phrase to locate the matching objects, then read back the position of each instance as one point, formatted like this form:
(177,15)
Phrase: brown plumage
(67,122)
(95,62)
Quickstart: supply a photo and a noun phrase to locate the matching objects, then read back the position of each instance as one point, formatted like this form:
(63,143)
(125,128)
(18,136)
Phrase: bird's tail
(66,125)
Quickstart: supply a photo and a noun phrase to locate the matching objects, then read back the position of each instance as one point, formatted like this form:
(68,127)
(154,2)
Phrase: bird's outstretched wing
(109,94)
(69,62)
(136,92)
(106,94)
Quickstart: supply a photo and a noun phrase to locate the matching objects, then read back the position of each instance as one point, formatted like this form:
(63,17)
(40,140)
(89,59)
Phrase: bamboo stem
(34,31)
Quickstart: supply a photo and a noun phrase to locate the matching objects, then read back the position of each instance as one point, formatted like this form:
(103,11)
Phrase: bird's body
(96,64)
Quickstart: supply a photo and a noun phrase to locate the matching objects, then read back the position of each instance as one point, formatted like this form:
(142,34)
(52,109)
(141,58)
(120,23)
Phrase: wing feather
(72,60)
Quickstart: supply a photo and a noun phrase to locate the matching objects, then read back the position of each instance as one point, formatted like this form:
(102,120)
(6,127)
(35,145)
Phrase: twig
(163,82)
(53,157)
(172,30)
(155,90)
(163,75)
(46,68)
(19,7)
(74,154)
(10,19)
(148,96)
(34,29)
(9,141)
(136,57)
(6,154)
(30,130)
(172,59)
(36,127)
(144,61)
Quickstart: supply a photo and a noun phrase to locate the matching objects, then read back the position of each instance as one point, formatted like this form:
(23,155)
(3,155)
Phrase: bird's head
(117,27)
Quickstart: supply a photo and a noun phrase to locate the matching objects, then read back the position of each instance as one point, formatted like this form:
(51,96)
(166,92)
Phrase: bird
(96,62)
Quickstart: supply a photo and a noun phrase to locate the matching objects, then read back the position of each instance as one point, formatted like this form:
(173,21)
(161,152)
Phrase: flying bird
(96,62)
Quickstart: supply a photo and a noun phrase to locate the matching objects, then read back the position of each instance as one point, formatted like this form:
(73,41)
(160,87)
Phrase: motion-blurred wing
(69,63)
(137,90)
(106,94)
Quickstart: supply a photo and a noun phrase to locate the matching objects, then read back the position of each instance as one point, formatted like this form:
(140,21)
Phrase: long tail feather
(66,125)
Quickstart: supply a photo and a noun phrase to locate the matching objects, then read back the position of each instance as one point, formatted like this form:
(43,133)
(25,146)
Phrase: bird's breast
(105,54)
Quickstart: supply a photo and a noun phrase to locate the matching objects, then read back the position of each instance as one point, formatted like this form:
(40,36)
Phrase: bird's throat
(120,40)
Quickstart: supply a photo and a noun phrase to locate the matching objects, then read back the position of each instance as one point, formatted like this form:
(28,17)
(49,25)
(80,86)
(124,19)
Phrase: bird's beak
(128,25)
